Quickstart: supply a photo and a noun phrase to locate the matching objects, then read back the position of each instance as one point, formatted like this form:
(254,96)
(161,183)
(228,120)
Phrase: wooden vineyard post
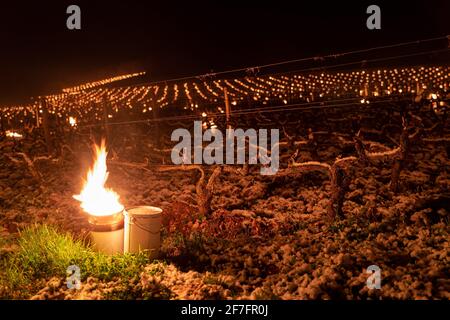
(339,186)
(46,125)
(400,162)
(227,108)
(2,124)
(155,113)
(105,117)
(291,90)
(37,116)
(418,88)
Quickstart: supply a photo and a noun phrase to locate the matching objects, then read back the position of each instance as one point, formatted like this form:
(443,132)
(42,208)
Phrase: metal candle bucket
(107,233)
(142,230)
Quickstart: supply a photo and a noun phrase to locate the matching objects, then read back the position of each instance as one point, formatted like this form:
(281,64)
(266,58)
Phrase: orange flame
(95,198)
(13,134)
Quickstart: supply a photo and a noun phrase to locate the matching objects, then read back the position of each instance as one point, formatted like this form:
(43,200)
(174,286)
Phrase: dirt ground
(268,237)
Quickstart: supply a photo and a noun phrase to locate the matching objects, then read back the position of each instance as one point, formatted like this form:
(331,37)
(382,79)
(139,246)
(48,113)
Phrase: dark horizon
(40,56)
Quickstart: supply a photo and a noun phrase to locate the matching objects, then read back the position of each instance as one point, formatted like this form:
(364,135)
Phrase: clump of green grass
(43,252)
(2,242)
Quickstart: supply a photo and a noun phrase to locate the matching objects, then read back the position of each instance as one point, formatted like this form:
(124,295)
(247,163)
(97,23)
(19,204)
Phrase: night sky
(39,55)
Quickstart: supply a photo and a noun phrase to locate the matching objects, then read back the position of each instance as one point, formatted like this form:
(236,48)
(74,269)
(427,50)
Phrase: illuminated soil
(268,237)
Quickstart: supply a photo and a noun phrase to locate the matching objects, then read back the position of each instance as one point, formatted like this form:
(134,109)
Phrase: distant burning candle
(103,206)
(12,134)
(72,122)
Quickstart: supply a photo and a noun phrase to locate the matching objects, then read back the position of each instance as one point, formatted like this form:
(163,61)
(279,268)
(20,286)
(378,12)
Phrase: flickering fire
(72,121)
(95,198)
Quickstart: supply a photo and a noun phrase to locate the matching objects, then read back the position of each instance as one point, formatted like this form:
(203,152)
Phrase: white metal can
(107,233)
(142,230)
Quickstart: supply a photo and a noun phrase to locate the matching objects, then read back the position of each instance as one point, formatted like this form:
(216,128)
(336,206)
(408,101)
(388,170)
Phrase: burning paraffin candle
(103,207)
(72,122)
(12,134)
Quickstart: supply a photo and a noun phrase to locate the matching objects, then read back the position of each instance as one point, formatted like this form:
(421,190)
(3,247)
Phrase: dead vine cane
(204,188)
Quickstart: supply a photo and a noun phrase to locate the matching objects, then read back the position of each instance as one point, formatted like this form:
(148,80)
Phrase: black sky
(39,55)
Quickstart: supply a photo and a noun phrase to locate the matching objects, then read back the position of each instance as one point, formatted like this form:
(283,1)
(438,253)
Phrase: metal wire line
(360,62)
(297,60)
(288,62)
(280,108)
(252,111)
(306,59)
(322,68)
